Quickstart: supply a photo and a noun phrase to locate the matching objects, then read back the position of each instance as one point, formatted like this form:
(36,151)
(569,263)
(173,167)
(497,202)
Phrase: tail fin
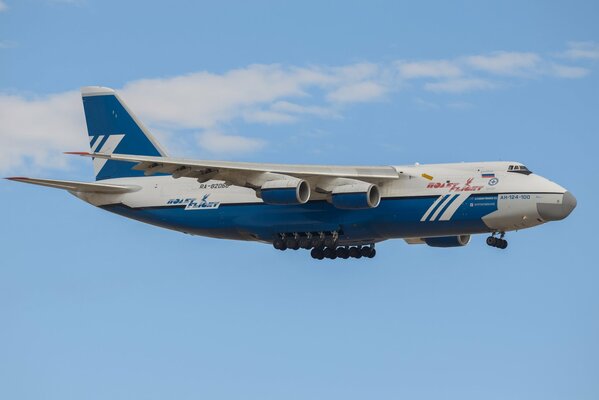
(112,128)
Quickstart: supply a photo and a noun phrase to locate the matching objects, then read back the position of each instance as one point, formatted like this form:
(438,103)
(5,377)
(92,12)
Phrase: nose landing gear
(498,242)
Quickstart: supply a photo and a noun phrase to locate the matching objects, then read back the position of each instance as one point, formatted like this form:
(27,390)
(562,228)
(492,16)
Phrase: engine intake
(356,196)
(285,192)
(448,241)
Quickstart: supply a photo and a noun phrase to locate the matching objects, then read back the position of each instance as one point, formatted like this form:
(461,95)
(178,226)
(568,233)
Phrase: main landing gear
(343,252)
(498,242)
(323,245)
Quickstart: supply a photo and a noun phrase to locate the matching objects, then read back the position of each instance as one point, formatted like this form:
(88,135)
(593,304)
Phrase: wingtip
(78,153)
(15,178)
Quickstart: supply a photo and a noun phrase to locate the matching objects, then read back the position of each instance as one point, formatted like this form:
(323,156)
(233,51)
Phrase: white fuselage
(425,201)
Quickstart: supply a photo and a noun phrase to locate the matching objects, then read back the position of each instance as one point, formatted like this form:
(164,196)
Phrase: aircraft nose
(555,212)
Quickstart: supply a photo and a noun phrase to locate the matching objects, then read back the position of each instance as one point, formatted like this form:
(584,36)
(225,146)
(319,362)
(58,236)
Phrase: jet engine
(448,241)
(285,191)
(356,196)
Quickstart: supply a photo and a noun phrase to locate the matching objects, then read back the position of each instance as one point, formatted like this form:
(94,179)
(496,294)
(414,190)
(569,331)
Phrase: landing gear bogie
(322,245)
(343,252)
(498,242)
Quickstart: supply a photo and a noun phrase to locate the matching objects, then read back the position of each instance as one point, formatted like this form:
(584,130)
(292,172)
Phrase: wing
(73,186)
(347,187)
(199,169)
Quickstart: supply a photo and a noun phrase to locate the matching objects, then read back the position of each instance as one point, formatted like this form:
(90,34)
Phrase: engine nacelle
(356,196)
(285,192)
(448,241)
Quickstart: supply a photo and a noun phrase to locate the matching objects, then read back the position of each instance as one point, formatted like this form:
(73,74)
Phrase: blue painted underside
(393,218)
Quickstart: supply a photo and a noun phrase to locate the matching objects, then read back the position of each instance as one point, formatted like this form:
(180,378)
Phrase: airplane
(334,211)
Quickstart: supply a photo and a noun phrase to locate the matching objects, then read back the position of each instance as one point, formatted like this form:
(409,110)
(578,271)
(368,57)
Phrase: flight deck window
(520,169)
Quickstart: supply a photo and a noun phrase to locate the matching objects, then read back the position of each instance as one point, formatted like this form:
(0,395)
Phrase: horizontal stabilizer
(73,186)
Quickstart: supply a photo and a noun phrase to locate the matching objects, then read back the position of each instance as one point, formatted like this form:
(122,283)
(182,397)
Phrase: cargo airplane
(334,211)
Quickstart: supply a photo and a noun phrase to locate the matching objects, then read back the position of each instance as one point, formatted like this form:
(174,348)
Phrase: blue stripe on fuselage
(394,217)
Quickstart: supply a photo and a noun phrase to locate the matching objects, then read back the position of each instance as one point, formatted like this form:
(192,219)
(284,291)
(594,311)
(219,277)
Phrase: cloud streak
(35,130)
(459,85)
(582,51)
(505,63)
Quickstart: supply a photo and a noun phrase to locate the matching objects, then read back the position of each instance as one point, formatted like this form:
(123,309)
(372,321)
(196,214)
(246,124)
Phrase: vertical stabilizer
(112,128)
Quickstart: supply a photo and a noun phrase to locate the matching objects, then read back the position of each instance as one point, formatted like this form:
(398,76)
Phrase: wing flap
(74,186)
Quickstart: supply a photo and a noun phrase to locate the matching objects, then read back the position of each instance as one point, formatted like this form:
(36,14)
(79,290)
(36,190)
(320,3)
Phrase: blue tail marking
(112,128)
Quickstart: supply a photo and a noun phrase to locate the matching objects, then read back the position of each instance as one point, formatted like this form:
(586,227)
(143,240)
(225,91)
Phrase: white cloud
(40,129)
(426,104)
(505,63)
(292,108)
(3,6)
(218,143)
(357,92)
(429,69)
(268,117)
(205,100)
(459,85)
(582,50)
(566,71)
(36,130)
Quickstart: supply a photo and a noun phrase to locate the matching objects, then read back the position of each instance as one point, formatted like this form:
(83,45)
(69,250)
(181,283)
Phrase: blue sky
(95,306)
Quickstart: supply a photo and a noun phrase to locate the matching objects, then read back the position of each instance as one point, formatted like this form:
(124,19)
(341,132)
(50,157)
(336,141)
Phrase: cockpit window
(520,169)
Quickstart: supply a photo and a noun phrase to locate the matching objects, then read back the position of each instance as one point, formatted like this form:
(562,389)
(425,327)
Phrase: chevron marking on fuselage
(446,216)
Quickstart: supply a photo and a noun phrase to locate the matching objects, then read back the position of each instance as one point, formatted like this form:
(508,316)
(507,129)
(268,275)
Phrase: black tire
(317,254)
(354,252)
(343,252)
(304,243)
(492,241)
(372,253)
(330,253)
(279,244)
(292,243)
(366,251)
(316,242)
(503,245)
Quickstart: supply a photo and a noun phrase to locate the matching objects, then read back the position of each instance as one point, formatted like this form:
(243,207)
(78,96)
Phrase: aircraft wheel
(372,253)
(365,251)
(292,243)
(502,244)
(279,244)
(355,252)
(343,252)
(316,242)
(492,241)
(329,252)
(317,254)
(304,243)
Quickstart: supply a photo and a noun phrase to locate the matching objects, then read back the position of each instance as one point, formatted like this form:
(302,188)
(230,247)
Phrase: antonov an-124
(334,211)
